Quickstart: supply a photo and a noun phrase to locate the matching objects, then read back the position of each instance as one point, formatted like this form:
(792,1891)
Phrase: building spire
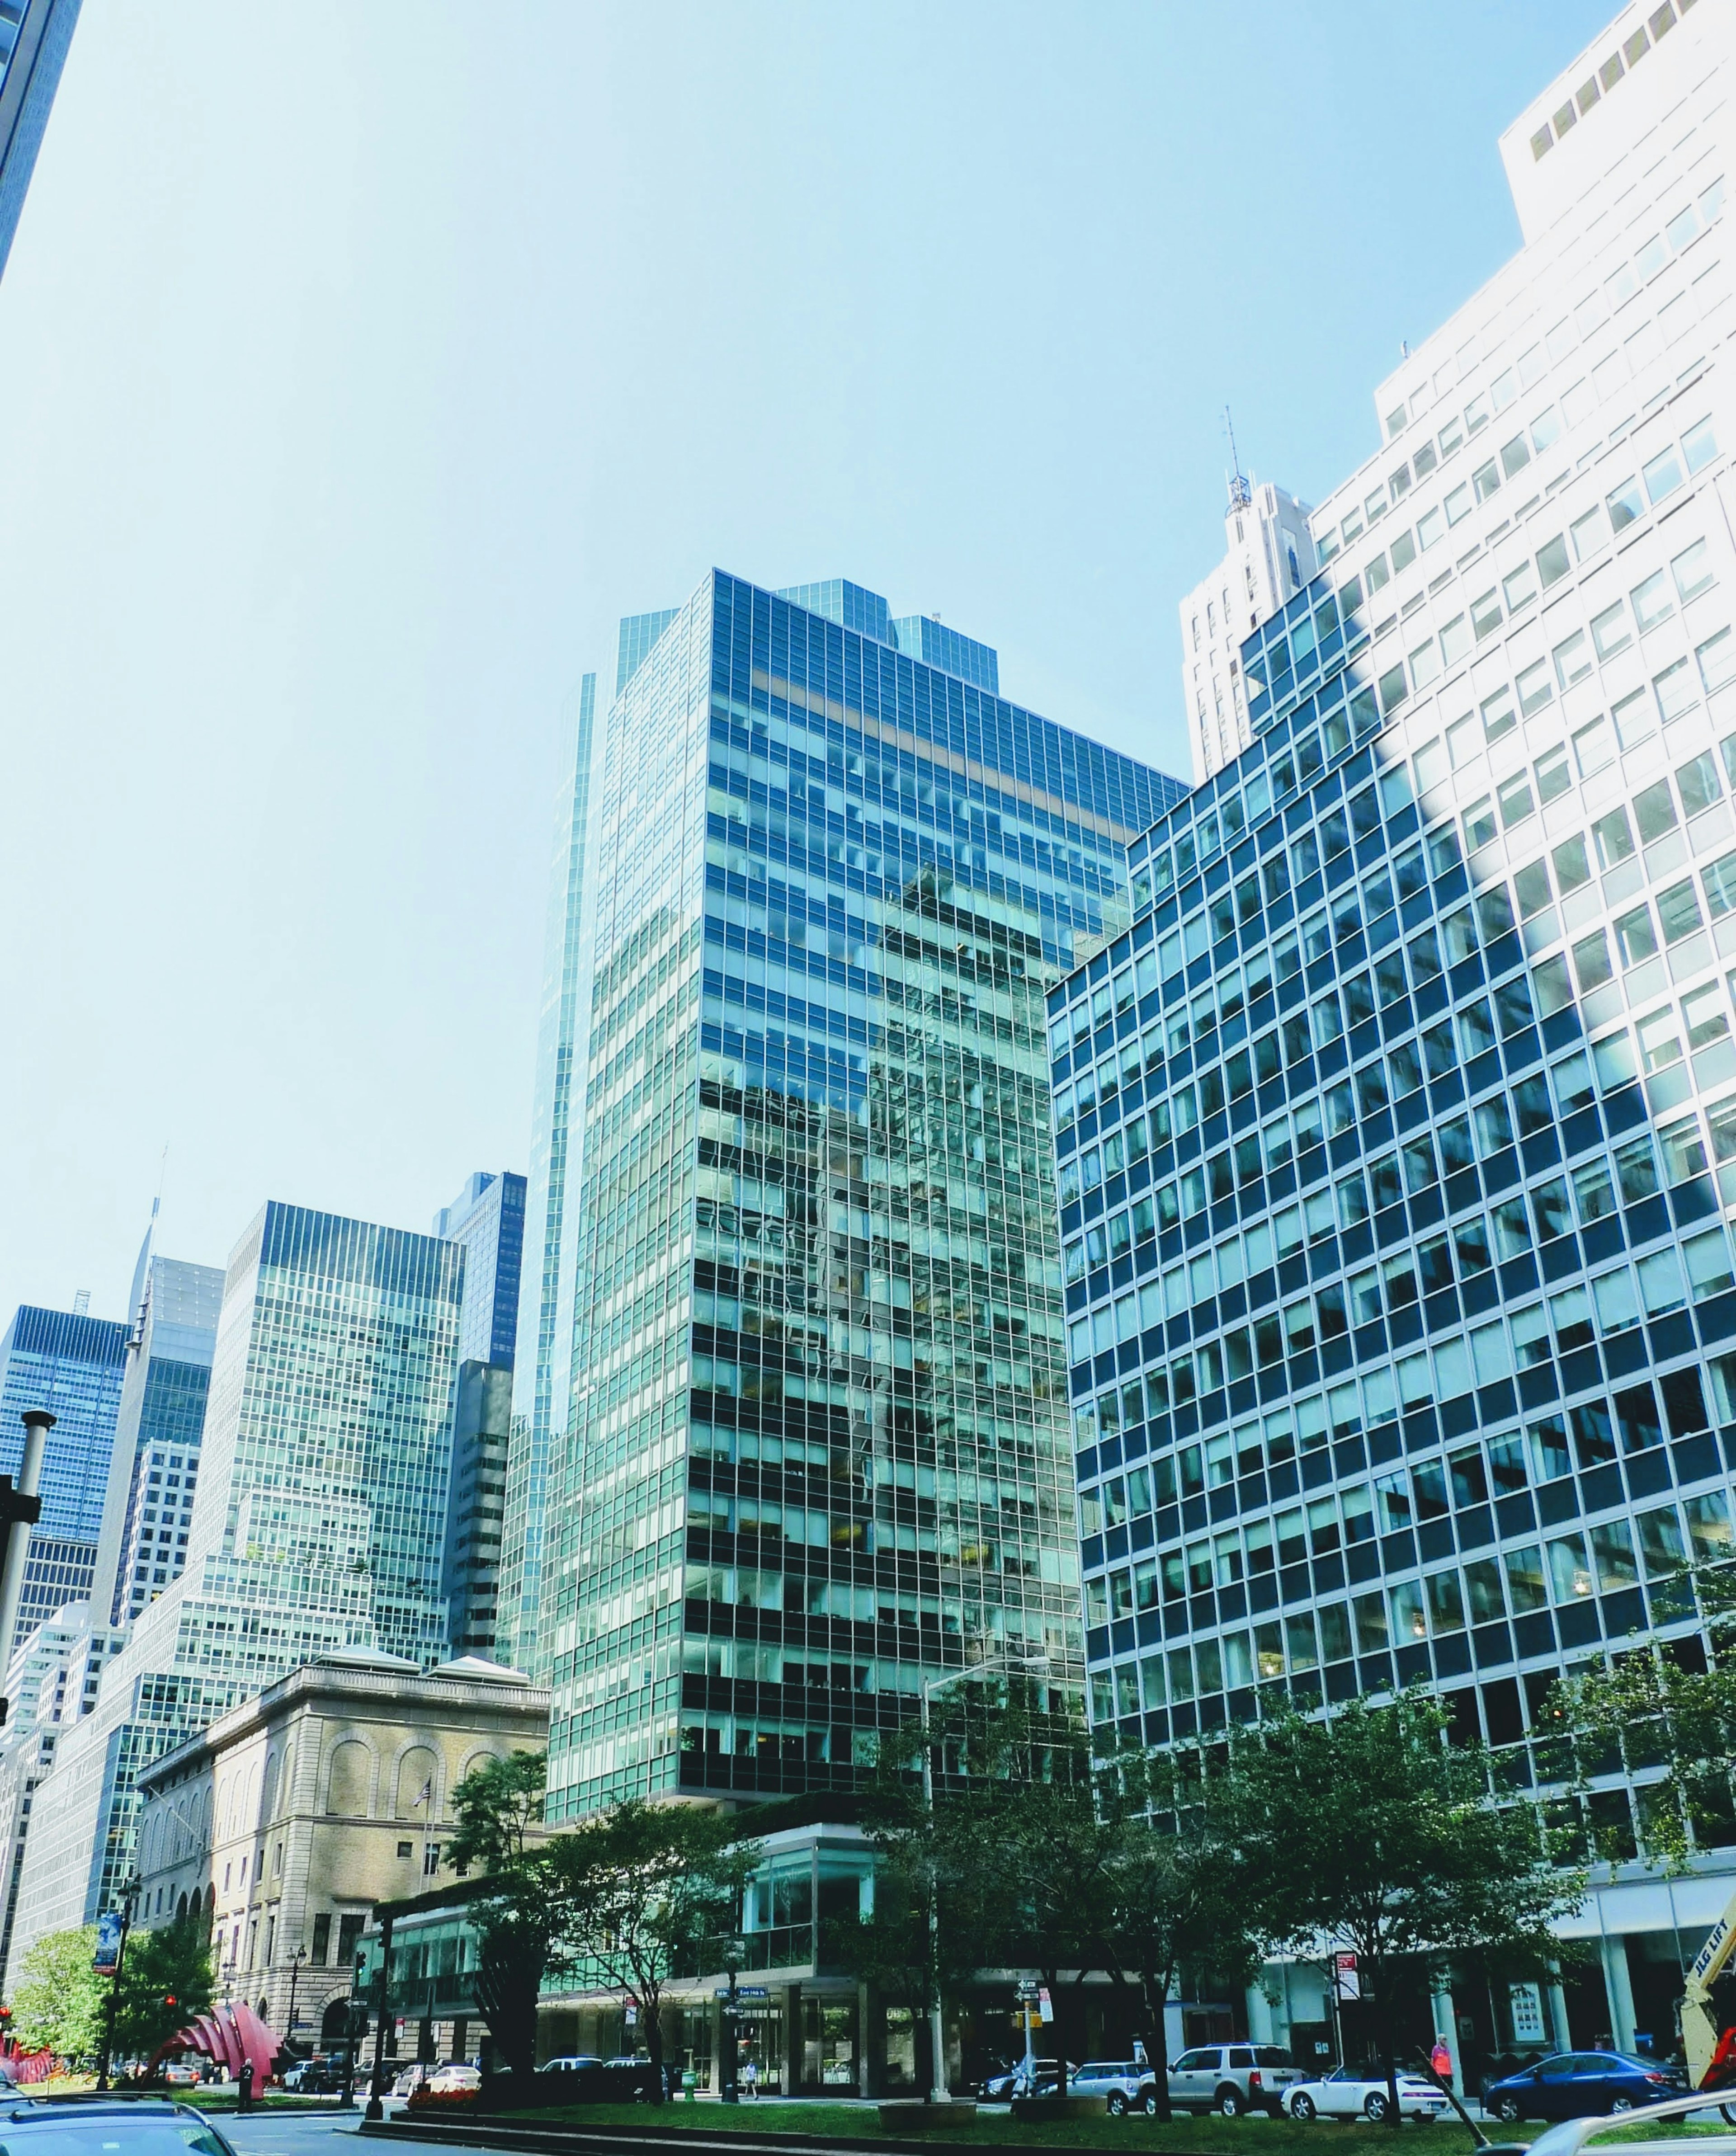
(1240,493)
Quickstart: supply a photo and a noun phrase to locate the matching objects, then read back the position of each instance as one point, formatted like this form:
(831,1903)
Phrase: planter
(1041,2107)
(901,2113)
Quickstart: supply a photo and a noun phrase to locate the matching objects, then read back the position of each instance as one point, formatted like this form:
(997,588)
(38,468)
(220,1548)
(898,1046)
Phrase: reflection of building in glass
(34,35)
(1397,1138)
(817,1444)
(72,1365)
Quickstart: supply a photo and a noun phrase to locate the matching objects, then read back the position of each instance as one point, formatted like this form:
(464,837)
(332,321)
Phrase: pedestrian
(1442,2060)
(246,2099)
(750,2075)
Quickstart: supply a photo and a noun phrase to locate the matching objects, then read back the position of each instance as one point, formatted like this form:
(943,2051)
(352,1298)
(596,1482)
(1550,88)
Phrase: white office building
(1268,557)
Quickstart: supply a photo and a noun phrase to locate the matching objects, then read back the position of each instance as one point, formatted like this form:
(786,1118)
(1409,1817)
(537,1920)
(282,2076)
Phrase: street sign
(107,1956)
(742,1991)
(1045,2004)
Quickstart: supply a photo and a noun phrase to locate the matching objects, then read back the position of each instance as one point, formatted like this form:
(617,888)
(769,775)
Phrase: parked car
(1517,2061)
(180,2073)
(1352,2093)
(457,2075)
(411,2078)
(1581,2085)
(575,2062)
(1232,2078)
(318,2075)
(1043,2080)
(1124,2084)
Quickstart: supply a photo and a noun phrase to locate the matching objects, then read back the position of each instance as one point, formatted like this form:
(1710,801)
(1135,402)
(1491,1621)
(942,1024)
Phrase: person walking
(750,2075)
(244,2101)
(1442,2060)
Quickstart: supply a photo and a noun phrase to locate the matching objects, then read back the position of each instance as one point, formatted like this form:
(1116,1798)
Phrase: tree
(516,1926)
(496,1805)
(1179,1884)
(640,1890)
(60,2000)
(1380,1838)
(165,1981)
(1663,1704)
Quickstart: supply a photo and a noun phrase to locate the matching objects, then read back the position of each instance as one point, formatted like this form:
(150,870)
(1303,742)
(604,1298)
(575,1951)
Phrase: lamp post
(1003,1664)
(295,1961)
(735,1953)
(355,2028)
(376,2080)
(130,1887)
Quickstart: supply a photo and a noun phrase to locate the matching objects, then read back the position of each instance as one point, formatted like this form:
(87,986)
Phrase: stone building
(291,1816)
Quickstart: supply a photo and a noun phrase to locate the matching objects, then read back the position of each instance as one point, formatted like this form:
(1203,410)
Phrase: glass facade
(818,1439)
(1397,1139)
(34,36)
(487,1218)
(542,1393)
(317,1524)
(72,1366)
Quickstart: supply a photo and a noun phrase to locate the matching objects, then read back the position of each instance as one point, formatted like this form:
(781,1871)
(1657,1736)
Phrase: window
(1678,909)
(1716,659)
(1486,614)
(1519,588)
(1675,691)
(1552,561)
(1610,631)
(1554,774)
(1515,455)
(1651,602)
(1699,446)
(1698,784)
(1573,660)
(321,1938)
(1534,687)
(1594,747)
(1626,505)
(1572,865)
(1634,719)
(1663,475)
(1615,837)
(1591,534)
(1655,811)
(1514,796)
(1692,569)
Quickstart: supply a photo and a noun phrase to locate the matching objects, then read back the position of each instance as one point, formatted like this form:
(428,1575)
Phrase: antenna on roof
(1240,493)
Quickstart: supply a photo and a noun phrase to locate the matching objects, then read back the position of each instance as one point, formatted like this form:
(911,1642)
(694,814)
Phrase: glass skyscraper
(147,1513)
(317,1525)
(73,1366)
(1397,1138)
(487,1221)
(543,1371)
(817,1439)
(34,35)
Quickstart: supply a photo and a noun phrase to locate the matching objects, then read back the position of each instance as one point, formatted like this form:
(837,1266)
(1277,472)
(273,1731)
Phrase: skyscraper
(1268,555)
(1398,1137)
(73,1366)
(543,1371)
(154,1464)
(487,1221)
(34,35)
(317,1525)
(817,1446)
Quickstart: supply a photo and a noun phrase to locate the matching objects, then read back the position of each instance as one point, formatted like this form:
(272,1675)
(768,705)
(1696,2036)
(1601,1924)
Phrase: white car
(1350,2093)
(1124,2084)
(457,2076)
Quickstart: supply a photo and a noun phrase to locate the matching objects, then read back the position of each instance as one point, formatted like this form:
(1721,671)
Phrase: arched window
(419,1791)
(347,1787)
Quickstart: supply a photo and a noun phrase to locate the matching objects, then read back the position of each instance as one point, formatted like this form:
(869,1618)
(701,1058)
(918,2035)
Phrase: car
(318,2075)
(1517,2061)
(1232,2078)
(1124,2084)
(180,2073)
(1353,2092)
(574,2062)
(1580,2085)
(87,2125)
(457,2075)
(411,2078)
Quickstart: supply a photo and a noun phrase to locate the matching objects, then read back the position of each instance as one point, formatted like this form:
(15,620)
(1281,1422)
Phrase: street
(293,2133)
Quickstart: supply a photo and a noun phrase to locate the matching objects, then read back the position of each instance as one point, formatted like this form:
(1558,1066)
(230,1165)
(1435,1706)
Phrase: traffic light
(168,1998)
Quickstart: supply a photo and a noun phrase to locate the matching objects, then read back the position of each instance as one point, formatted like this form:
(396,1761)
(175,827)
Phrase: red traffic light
(168,1998)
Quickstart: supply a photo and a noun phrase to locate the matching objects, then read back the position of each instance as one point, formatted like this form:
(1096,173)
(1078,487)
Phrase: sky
(364,362)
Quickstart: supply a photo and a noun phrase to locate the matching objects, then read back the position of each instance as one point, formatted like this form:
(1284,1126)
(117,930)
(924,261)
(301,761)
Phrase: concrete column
(1259,2006)
(1557,2000)
(1620,1989)
(864,2005)
(1446,2028)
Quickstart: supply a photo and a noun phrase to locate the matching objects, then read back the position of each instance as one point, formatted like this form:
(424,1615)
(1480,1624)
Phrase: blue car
(1580,2084)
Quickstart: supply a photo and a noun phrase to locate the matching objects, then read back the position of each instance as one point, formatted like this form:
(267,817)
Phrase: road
(295,2133)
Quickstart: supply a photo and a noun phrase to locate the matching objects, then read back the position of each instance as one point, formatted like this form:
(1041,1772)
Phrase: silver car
(1232,2078)
(1124,2084)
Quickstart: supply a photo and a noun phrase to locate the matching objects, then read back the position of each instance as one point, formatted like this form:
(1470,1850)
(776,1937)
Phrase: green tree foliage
(640,1890)
(59,2001)
(1181,1886)
(496,1805)
(166,1979)
(516,1926)
(1655,1707)
(1370,1833)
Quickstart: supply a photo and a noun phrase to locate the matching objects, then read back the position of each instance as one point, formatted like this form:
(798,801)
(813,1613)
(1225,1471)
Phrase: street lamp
(1002,1665)
(735,1953)
(129,1889)
(355,2028)
(295,1961)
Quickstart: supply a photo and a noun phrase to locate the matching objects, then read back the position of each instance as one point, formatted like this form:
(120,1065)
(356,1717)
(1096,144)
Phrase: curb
(552,2140)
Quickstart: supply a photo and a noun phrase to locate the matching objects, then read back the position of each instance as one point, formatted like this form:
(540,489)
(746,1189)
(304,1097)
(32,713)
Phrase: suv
(1232,2078)
(74,2125)
(1124,2084)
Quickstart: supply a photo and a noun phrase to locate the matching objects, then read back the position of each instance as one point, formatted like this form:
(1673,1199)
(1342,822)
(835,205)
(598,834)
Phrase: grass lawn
(1183,2136)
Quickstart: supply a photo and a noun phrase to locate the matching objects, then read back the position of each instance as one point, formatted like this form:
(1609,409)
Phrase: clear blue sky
(364,360)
